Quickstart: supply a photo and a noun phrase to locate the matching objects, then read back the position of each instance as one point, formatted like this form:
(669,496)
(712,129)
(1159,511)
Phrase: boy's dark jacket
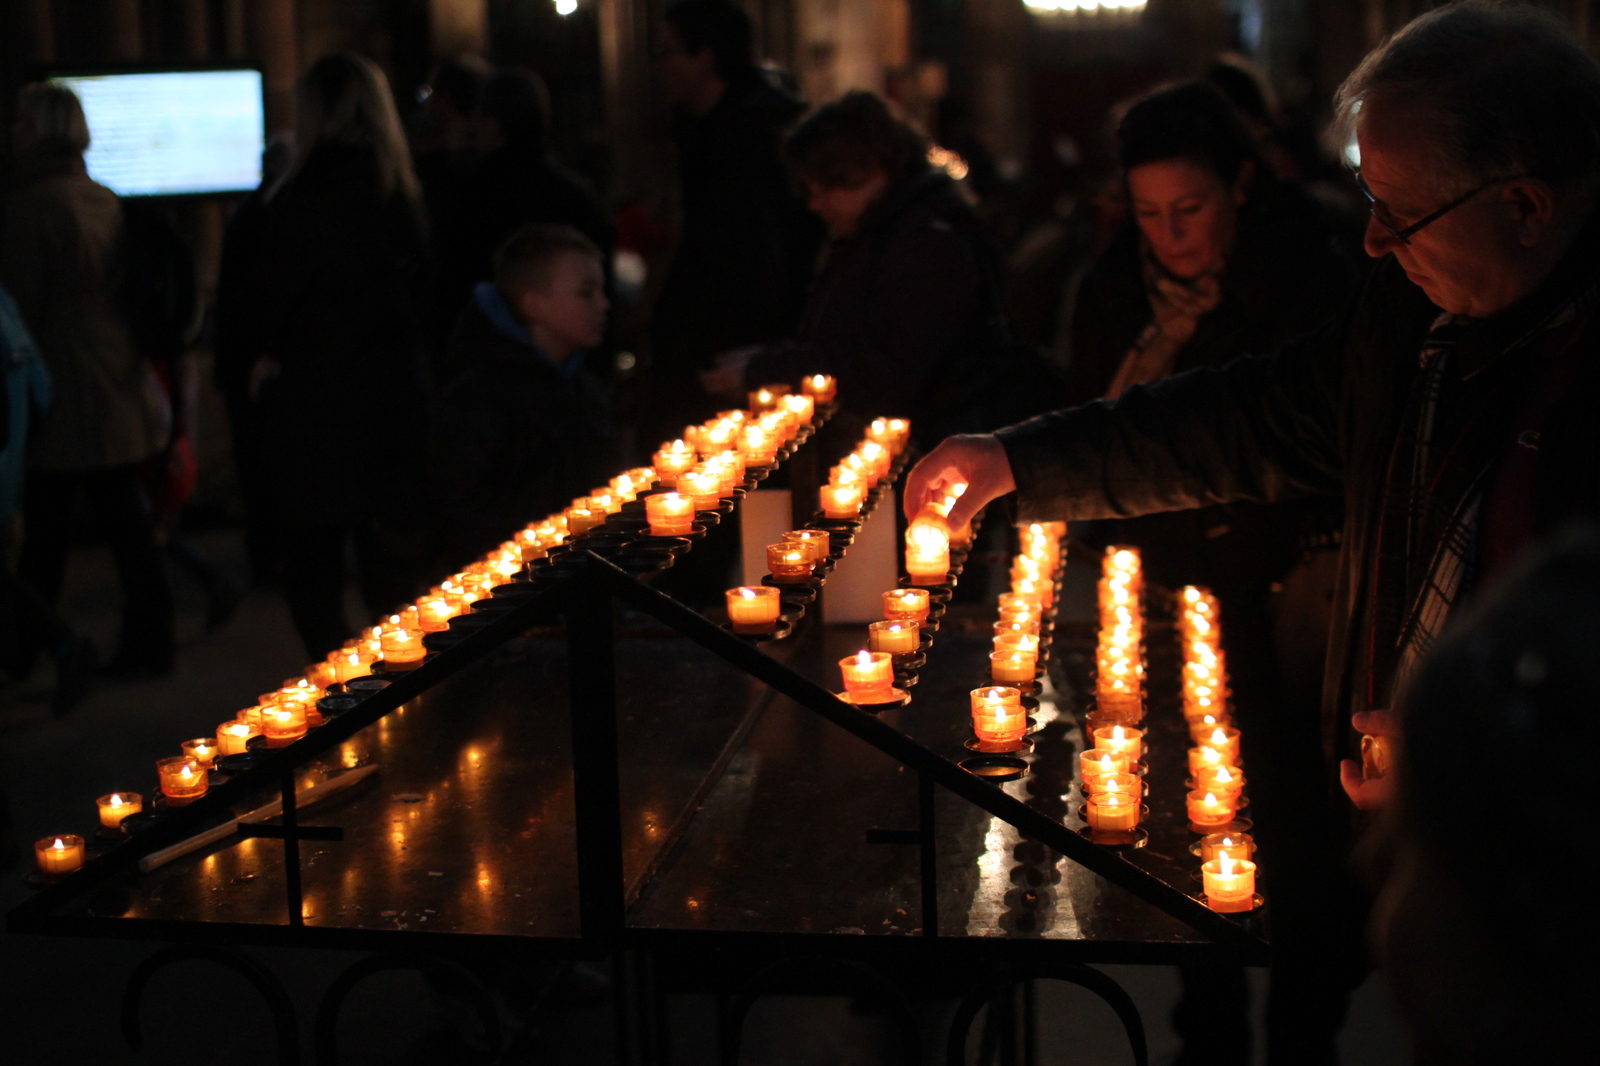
(515,436)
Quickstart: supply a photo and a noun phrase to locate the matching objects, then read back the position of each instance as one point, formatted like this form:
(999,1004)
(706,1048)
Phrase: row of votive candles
(285,715)
(1119,657)
(857,474)
(998,719)
(1228,873)
(869,674)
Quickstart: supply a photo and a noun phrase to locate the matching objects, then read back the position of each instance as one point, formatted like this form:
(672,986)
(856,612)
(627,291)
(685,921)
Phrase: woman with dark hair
(1222,258)
(336,367)
(907,297)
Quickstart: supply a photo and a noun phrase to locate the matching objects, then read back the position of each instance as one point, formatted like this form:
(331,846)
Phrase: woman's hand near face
(976,460)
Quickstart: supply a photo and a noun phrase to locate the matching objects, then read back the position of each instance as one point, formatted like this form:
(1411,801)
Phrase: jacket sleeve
(926,303)
(1261,429)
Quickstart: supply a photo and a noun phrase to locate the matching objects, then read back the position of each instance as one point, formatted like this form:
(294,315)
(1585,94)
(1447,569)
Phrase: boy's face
(570,307)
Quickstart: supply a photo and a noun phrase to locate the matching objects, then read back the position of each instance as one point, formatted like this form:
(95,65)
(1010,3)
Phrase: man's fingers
(1374,723)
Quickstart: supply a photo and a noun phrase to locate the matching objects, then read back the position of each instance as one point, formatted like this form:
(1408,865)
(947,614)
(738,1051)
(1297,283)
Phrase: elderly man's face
(1477,259)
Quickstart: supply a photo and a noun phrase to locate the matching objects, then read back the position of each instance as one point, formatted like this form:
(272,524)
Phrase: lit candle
(283,725)
(403,650)
(817,542)
(250,716)
(702,487)
(1224,781)
(820,387)
(753,608)
(897,636)
(1130,784)
(58,856)
(1093,765)
(232,737)
(803,407)
(609,502)
(1013,667)
(1014,604)
(789,564)
(758,447)
(353,663)
(674,459)
(1022,626)
(671,514)
(1112,812)
(1203,758)
(998,719)
(433,616)
(910,604)
(927,554)
(1234,845)
(841,501)
(203,750)
(322,674)
(1120,738)
(1230,884)
(182,780)
(1208,810)
(583,519)
(117,806)
(1226,740)
(766,397)
(868,677)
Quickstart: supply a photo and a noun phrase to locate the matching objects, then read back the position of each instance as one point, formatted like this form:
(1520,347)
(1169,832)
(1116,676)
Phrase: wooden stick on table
(302,798)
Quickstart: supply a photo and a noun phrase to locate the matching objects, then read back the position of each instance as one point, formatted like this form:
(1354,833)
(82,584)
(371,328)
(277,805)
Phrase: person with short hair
(903,309)
(1455,406)
(746,244)
(326,318)
(62,257)
(526,426)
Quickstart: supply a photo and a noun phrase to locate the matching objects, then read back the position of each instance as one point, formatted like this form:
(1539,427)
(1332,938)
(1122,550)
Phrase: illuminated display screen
(172,133)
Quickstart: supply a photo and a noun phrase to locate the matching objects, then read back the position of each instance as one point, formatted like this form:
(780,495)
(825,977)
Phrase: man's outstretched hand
(977,461)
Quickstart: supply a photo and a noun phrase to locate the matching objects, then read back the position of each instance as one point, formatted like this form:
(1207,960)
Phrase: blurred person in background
(1221,259)
(1488,969)
(62,257)
(747,245)
(526,426)
(517,182)
(338,381)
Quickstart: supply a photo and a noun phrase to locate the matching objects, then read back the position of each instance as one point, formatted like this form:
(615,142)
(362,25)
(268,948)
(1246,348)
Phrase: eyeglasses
(1403,234)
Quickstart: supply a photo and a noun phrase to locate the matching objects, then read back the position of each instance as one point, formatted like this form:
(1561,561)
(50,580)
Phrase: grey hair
(1509,90)
(55,115)
(344,99)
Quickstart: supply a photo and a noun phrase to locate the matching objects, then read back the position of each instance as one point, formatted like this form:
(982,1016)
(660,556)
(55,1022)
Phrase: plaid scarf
(1451,436)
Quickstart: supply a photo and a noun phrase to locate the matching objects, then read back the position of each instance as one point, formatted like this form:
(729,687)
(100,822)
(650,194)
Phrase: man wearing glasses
(1455,406)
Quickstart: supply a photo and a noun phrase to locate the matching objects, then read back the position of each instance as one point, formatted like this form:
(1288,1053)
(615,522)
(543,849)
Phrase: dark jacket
(1324,414)
(62,256)
(474,209)
(1284,277)
(899,312)
(342,428)
(746,250)
(515,436)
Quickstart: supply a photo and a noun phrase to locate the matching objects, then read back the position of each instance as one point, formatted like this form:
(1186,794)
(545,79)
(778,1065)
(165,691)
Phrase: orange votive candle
(820,387)
(1202,758)
(1225,739)
(803,407)
(59,855)
(897,636)
(1121,738)
(116,806)
(671,514)
(1028,627)
(203,750)
(753,608)
(403,650)
(1207,809)
(1016,603)
(789,564)
(704,489)
(1230,884)
(583,519)
(434,615)
(283,725)
(817,542)
(1112,812)
(233,737)
(674,459)
(1235,845)
(1224,781)
(927,554)
(1013,667)
(182,780)
(841,501)
(758,447)
(1132,784)
(868,677)
(1093,765)
(997,715)
(767,397)
(910,604)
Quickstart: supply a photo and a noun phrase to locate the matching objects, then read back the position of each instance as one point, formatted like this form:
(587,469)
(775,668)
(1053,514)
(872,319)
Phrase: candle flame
(1223,777)
(1191,594)
(747,593)
(59,845)
(1218,737)
(1106,762)
(1225,865)
(1116,733)
(1210,800)
(116,800)
(864,659)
